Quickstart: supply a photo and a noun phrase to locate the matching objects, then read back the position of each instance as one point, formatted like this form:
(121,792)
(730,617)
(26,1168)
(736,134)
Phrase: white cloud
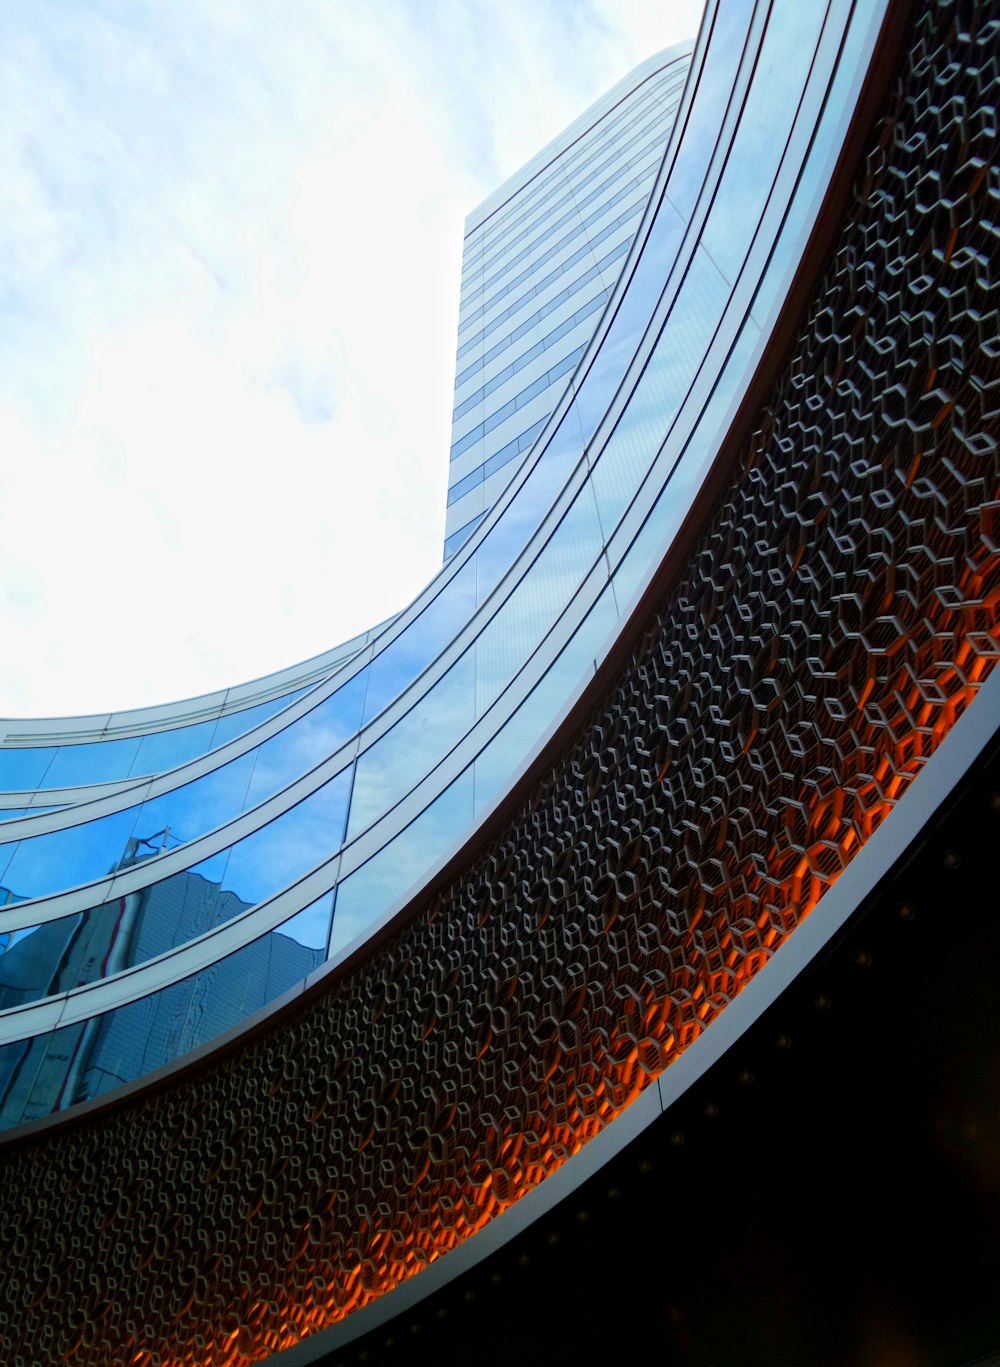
(230,242)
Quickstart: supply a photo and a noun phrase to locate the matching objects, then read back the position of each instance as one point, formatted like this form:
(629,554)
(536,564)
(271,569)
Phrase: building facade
(568,834)
(540,260)
(104,846)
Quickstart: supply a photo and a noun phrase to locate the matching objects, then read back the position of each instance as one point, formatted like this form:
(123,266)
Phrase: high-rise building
(644,860)
(540,260)
(542,256)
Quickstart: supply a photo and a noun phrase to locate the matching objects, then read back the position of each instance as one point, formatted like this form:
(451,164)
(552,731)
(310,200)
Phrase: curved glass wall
(541,258)
(87,754)
(455,692)
(70,766)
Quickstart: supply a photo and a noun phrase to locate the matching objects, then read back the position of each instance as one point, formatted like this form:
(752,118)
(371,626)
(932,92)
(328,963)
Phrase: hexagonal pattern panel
(838,615)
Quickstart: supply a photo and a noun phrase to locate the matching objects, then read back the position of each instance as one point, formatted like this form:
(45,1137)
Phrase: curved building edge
(891,791)
(101,802)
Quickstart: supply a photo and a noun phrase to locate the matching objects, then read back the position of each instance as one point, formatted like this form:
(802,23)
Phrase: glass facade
(680,776)
(541,258)
(611,320)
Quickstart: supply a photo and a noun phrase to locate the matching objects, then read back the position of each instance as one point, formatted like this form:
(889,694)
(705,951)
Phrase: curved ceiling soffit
(592,833)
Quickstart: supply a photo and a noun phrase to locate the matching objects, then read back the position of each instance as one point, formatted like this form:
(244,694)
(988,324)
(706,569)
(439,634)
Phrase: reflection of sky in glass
(60,859)
(815,171)
(21,769)
(270,858)
(371,890)
(108,760)
(792,32)
(311,926)
(656,401)
(535,604)
(523,514)
(715,86)
(44,864)
(401,757)
(400,663)
(499,761)
(168,749)
(97,762)
(297,749)
(276,854)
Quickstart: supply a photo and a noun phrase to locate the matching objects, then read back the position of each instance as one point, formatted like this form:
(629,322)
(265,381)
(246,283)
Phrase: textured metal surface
(837,616)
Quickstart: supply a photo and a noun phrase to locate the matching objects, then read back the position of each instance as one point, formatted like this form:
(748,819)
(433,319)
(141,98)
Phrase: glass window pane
(422,640)
(61,859)
(715,86)
(111,936)
(536,603)
(792,33)
(76,1062)
(23,769)
(661,390)
(308,741)
(421,738)
(274,856)
(167,749)
(500,760)
(99,762)
(371,890)
(523,514)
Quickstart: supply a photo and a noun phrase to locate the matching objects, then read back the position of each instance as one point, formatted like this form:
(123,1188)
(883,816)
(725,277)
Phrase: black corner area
(828,1194)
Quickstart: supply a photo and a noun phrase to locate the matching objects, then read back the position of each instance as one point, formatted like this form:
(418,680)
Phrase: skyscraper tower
(541,257)
(640,870)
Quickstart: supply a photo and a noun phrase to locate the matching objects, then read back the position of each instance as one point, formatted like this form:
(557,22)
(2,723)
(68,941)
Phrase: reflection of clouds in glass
(97,762)
(632,314)
(372,889)
(307,741)
(793,31)
(523,514)
(168,749)
(235,724)
(311,925)
(715,86)
(61,859)
(535,604)
(58,860)
(401,757)
(498,762)
(400,663)
(200,806)
(284,849)
(662,388)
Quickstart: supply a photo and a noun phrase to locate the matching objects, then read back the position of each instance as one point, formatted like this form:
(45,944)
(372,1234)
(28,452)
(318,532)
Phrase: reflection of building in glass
(103,1052)
(681,760)
(247,801)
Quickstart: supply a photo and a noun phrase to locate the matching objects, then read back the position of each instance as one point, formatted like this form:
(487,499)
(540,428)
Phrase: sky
(230,247)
